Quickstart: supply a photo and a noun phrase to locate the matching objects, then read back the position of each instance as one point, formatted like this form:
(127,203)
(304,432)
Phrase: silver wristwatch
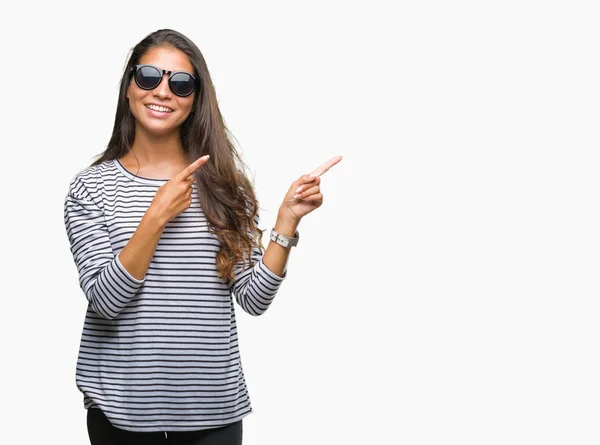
(284,241)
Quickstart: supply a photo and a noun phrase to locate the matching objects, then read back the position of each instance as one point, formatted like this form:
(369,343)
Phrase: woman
(164,231)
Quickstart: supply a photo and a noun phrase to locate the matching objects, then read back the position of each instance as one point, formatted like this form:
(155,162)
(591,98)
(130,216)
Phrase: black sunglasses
(148,77)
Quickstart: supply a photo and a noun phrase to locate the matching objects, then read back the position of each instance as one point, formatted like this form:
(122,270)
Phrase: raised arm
(170,200)
(256,288)
(110,282)
(303,196)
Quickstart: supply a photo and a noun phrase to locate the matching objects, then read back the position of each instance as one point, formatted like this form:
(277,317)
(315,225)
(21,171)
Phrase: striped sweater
(160,353)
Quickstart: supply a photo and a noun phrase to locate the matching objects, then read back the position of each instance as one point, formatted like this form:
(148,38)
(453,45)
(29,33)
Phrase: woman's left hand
(304,194)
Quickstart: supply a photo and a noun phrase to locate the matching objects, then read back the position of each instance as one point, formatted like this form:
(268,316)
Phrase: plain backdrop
(446,292)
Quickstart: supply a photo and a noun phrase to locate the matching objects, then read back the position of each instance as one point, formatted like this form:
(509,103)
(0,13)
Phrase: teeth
(159,108)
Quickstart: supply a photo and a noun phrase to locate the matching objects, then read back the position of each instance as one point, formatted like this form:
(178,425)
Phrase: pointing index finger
(326,166)
(187,172)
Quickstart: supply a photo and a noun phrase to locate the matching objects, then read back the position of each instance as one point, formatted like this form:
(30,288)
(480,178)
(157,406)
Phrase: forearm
(139,250)
(276,256)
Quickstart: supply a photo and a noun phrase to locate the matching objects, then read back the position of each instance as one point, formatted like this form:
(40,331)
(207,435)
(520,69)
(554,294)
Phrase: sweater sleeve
(255,287)
(105,282)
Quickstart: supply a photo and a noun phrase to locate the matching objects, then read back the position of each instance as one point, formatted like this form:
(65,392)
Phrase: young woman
(163,228)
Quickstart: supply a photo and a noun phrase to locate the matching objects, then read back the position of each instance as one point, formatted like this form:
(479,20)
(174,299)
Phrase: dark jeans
(102,432)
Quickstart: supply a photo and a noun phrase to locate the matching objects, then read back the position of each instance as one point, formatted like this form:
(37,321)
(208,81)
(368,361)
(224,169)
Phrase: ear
(127,92)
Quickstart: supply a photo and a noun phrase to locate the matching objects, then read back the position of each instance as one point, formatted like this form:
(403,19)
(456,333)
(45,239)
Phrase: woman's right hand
(175,195)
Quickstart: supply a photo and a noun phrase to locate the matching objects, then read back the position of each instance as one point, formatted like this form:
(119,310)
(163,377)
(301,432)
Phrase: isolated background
(446,292)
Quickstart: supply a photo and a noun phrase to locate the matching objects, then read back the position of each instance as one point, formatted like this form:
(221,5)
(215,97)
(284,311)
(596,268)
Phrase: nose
(162,90)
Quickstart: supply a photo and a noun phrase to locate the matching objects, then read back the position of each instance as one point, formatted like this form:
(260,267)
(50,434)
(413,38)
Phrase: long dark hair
(224,190)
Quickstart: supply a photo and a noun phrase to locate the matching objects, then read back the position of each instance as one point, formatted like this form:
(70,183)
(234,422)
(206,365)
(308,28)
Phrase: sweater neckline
(137,178)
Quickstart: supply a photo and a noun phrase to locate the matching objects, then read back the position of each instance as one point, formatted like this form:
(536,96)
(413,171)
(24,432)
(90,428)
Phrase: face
(159,111)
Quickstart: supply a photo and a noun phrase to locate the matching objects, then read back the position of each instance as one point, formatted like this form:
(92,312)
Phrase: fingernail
(299,189)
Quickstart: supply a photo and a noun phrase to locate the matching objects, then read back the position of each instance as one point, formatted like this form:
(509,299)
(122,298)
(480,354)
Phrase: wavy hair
(225,193)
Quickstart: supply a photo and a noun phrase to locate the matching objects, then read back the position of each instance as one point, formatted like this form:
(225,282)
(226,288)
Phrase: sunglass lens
(182,84)
(148,77)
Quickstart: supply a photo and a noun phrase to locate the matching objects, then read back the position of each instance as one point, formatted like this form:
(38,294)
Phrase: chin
(160,131)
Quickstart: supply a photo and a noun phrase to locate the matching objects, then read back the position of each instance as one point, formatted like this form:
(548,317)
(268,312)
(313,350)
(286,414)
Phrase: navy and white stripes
(161,353)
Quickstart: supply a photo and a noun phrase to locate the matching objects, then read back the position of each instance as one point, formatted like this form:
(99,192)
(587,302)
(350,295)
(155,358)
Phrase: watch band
(283,240)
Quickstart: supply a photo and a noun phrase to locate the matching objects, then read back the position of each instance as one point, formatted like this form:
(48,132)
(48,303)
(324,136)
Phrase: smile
(159,108)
